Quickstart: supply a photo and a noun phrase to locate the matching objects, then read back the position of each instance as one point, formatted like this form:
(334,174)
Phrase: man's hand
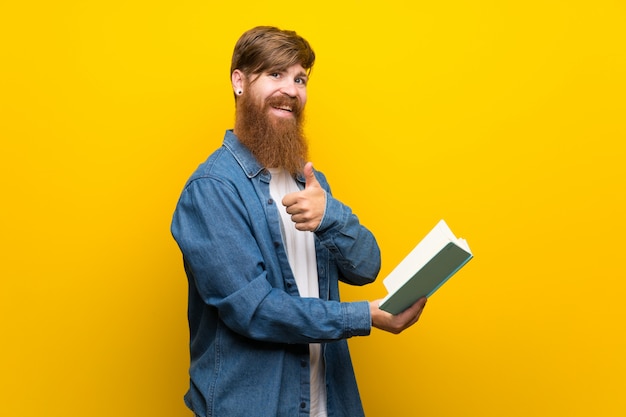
(396,323)
(307,206)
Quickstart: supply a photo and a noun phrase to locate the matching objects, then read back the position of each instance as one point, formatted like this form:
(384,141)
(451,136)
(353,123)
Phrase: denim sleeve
(234,271)
(353,247)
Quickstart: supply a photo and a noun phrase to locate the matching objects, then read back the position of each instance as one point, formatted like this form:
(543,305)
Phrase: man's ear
(236,79)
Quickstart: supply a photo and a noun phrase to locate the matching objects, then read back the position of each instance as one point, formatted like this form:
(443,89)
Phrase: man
(264,245)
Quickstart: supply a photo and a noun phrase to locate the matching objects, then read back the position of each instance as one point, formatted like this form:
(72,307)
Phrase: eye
(274,74)
(300,80)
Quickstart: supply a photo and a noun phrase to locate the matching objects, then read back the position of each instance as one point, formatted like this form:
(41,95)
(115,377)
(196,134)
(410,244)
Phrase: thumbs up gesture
(307,206)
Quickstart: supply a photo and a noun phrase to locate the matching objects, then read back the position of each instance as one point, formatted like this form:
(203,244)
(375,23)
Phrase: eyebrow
(302,74)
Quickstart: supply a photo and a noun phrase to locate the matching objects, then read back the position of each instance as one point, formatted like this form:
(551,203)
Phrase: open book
(429,265)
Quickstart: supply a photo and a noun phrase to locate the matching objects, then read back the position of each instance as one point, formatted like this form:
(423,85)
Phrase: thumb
(309,175)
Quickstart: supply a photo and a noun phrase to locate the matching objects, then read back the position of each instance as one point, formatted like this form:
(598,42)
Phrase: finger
(289,200)
(309,175)
(305,226)
(415,311)
(291,208)
(298,218)
(422,302)
(419,305)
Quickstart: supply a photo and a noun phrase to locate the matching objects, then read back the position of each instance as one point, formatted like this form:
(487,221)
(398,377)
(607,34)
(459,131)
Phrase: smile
(283,108)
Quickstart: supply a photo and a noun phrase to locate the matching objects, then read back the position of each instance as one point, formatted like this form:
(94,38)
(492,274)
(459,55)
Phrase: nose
(289,88)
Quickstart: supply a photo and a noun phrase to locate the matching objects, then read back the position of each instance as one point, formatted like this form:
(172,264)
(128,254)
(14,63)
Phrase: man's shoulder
(230,162)
(219,164)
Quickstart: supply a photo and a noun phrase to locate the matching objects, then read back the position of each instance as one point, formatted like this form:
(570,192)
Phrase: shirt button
(303,364)
(302,405)
(276,244)
(270,201)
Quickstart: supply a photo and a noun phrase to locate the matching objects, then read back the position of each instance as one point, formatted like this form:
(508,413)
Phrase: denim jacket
(249,328)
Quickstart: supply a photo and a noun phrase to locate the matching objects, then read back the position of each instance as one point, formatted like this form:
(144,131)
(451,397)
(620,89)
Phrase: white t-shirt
(301,254)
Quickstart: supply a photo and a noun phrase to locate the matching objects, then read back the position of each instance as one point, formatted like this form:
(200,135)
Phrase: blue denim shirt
(249,328)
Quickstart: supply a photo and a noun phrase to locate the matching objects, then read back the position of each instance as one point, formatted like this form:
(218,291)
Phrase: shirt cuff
(357,318)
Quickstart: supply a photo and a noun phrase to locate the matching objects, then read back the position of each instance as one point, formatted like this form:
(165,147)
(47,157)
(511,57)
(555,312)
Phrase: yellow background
(506,118)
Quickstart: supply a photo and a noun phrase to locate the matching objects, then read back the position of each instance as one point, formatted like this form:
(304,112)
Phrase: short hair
(265,48)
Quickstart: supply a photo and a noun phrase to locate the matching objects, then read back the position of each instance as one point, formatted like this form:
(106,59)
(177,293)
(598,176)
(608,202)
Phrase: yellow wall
(506,118)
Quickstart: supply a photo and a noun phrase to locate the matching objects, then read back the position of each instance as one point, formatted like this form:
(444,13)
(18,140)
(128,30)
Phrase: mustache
(284,101)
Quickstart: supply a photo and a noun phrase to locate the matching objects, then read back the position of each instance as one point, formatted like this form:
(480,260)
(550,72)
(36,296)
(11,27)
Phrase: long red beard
(275,142)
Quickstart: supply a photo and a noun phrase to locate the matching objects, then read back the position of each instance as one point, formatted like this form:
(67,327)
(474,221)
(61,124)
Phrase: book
(436,258)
